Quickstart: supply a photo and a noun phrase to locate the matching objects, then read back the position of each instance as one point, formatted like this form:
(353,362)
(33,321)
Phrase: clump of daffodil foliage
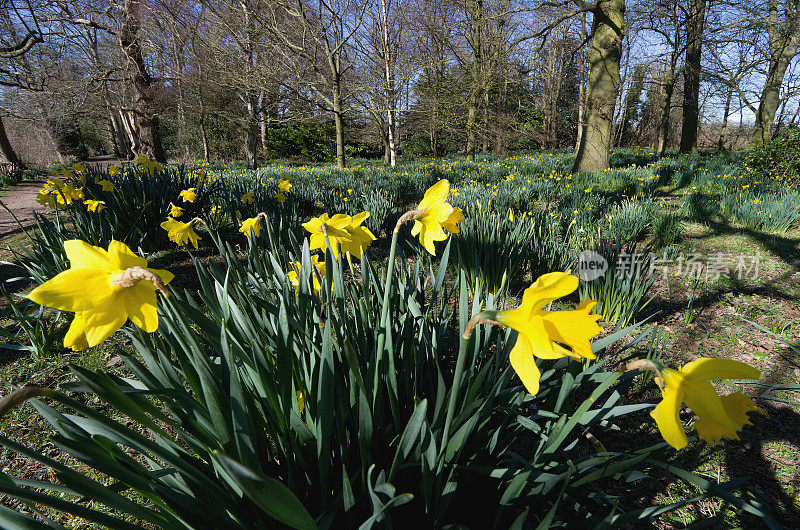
(311,383)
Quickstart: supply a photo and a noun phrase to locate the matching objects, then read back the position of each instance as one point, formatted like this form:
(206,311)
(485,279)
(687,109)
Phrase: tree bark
(7,149)
(263,119)
(390,89)
(725,113)
(770,99)
(145,119)
(338,122)
(667,90)
(603,84)
(691,75)
(582,84)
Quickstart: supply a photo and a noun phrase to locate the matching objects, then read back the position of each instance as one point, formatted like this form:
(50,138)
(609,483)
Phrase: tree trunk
(202,104)
(604,58)
(663,127)
(581,84)
(252,129)
(389,78)
(130,130)
(725,113)
(770,99)
(691,76)
(7,150)
(263,119)
(145,120)
(337,119)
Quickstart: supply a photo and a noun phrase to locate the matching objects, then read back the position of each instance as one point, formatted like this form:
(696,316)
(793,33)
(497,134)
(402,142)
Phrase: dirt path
(21,200)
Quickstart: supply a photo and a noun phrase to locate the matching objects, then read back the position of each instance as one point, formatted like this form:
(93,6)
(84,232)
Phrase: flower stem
(387,285)
(451,405)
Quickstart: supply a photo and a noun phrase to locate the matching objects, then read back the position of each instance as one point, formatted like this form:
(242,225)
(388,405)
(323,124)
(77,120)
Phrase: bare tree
(695,24)
(316,37)
(605,53)
(781,23)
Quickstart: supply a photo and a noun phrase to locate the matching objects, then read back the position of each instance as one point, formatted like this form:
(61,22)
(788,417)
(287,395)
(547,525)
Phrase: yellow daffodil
(148,164)
(180,233)
(94,206)
(104,288)
(45,198)
(188,195)
(249,198)
(284,186)
(106,185)
(336,229)
(79,167)
(254,224)
(214,210)
(280,197)
(294,277)
(113,169)
(718,417)
(433,214)
(547,334)
(200,174)
(175,211)
(360,237)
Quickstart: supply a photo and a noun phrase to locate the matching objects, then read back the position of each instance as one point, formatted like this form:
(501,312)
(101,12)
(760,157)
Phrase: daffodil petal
(75,339)
(74,290)
(436,193)
(709,369)
(104,320)
(123,258)
(711,432)
(524,364)
(165,276)
(668,419)
(82,255)
(573,328)
(140,305)
(549,287)
(704,401)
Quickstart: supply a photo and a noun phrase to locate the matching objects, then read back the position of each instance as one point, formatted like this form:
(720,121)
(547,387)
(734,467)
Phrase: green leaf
(269,494)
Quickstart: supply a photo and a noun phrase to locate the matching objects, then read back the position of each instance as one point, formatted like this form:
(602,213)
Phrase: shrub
(779,157)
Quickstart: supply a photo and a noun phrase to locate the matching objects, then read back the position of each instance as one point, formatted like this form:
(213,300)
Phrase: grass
(708,318)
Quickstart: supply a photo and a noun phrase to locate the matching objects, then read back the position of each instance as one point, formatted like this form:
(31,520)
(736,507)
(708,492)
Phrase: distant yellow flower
(200,174)
(548,334)
(718,417)
(284,185)
(180,233)
(79,167)
(94,206)
(175,211)
(294,277)
(435,214)
(104,288)
(188,195)
(254,224)
(249,198)
(113,169)
(215,210)
(281,197)
(148,164)
(106,185)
